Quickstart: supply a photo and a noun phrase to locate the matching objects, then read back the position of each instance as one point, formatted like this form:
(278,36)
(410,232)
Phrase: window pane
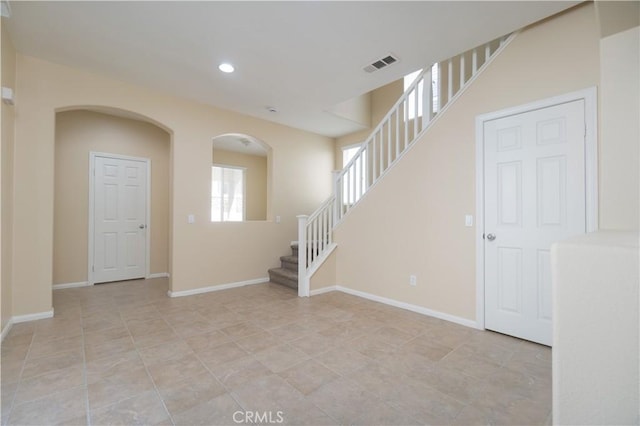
(435,85)
(348,153)
(411,98)
(356,175)
(227,194)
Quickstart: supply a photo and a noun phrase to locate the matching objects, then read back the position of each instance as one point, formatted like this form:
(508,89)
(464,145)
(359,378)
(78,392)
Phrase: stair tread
(290,259)
(285,273)
(284,277)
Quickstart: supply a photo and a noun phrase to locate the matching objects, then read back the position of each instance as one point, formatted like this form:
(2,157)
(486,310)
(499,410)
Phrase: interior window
(227,193)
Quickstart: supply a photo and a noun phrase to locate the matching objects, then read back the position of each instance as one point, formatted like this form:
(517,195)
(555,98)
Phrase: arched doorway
(84,130)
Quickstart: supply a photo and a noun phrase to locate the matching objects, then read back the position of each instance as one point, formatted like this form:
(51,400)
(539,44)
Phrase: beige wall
(256,180)
(412,222)
(76,134)
(617,16)
(619,149)
(382,99)
(201,254)
(8,80)
(326,275)
(357,110)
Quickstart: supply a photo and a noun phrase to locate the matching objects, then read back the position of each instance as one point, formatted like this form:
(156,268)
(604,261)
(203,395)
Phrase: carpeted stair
(287,274)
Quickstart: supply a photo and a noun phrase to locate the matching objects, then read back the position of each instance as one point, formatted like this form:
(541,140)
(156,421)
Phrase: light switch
(191,219)
(278,219)
(468,220)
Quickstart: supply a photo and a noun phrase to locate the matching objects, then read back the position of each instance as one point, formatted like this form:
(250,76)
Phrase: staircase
(287,274)
(418,108)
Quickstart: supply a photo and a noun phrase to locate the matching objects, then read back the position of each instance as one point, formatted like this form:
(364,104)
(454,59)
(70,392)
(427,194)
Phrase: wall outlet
(278,219)
(191,219)
(413,280)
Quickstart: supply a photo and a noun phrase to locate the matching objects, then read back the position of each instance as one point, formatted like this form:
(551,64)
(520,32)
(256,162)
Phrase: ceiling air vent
(381,63)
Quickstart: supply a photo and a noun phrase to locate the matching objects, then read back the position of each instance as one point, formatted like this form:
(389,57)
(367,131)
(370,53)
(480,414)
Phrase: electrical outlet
(278,219)
(413,280)
(191,219)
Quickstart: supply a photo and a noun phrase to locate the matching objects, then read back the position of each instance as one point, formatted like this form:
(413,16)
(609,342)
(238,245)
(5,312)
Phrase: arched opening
(240,178)
(81,132)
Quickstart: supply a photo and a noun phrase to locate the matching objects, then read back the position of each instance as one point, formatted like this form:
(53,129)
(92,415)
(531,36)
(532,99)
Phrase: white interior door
(534,194)
(120,224)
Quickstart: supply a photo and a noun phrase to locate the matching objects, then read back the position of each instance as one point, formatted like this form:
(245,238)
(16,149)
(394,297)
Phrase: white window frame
(244,192)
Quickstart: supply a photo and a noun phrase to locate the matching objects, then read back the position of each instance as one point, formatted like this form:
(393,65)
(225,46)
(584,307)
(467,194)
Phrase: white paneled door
(534,195)
(120,224)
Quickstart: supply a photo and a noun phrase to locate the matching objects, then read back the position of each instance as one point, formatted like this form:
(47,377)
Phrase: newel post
(303,280)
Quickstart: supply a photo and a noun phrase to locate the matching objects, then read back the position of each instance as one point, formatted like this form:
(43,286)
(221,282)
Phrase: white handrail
(387,143)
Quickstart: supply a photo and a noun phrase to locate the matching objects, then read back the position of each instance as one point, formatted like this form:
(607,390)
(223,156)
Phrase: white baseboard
(86,283)
(217,287)
(24,318)
(323,290)
(6,329)
(71,285)
(32,317)
(401,305)
(158,275)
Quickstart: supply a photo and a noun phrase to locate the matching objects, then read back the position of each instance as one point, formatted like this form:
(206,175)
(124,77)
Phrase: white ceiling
(300,57)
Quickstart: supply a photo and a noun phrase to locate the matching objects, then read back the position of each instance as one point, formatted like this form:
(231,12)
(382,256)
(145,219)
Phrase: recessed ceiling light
(225,67)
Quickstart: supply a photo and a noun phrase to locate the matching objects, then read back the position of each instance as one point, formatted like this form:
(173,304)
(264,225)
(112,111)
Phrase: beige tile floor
(125,353)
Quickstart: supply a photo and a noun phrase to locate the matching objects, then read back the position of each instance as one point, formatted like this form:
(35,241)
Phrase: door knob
(491,237)
(142,226)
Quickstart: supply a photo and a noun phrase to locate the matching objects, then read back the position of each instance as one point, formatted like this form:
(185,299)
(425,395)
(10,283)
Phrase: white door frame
(92,158)
(591,170)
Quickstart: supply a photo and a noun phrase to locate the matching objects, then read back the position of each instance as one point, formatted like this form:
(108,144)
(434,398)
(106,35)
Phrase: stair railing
(423,102)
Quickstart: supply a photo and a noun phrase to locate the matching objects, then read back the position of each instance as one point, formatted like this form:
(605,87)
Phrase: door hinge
(483,236)
(585,130)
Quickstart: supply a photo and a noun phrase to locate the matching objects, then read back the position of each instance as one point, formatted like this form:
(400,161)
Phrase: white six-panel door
(534,194)
(120,224)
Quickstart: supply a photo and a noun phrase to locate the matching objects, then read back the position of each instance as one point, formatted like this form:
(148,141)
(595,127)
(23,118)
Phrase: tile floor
(125,353)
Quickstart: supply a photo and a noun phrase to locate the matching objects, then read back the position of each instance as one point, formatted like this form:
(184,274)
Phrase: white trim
(147,161)
(409,307)
(217,287)
(590,97)
(71,285)
(323,290)
(157,275)
(33,317)
(6,329)
(479,224)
